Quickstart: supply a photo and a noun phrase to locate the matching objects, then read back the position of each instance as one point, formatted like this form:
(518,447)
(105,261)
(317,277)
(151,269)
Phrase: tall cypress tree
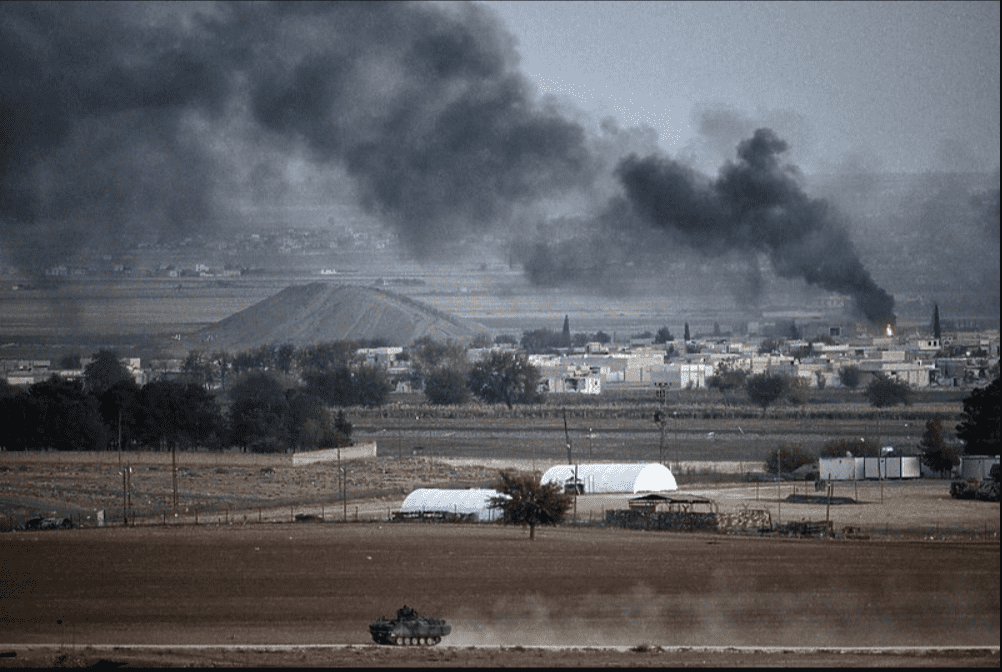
(565,337)
(935,322)
(686,335)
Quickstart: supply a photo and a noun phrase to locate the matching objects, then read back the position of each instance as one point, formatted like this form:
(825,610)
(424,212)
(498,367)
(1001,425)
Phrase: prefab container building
(474,501)
(862,468)
(609,478)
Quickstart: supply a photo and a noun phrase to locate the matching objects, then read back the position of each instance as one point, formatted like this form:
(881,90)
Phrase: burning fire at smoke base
(126,122)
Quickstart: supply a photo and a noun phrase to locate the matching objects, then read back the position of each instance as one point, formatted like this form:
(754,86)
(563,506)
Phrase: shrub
(788,458)
(854,447)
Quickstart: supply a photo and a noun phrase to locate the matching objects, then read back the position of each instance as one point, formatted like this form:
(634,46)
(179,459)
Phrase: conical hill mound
(322,312)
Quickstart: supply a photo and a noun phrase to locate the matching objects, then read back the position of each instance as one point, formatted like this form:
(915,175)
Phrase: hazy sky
(895,86)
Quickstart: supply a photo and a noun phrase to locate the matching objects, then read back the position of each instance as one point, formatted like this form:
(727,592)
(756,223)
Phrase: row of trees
(107,409)
(267,410)
(765,389)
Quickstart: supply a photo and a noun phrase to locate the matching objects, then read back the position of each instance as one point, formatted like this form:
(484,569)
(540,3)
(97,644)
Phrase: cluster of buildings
(26,372)
(918,361)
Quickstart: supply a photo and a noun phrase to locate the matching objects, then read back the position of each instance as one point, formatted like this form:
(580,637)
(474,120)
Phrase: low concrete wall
(334,454)
(184,458)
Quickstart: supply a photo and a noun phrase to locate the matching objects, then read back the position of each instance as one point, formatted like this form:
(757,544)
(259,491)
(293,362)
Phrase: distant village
(961,359)
(224,256)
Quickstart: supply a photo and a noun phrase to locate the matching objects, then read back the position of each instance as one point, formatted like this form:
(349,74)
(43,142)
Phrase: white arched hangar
(612,478)
(474,501)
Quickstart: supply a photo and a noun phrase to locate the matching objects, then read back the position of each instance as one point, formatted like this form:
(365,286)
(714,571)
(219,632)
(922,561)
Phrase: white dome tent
(474,501)
(608,478)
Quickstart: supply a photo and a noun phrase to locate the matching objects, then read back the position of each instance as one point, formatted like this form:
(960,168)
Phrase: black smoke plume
(142,122)
(129,121)
(756,204)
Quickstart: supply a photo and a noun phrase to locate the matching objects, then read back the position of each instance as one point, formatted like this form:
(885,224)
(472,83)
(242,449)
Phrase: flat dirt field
(921,589)
(563,599)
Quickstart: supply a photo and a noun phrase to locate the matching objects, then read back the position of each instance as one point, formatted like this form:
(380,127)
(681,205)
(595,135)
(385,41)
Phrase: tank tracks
(394,640)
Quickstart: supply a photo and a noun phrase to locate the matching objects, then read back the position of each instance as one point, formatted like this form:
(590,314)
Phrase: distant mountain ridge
(320,312)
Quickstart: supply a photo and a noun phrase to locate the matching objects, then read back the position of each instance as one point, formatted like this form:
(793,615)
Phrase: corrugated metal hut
(610,478)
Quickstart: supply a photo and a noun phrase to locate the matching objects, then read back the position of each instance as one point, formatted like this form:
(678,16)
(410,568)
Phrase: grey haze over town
(850,149)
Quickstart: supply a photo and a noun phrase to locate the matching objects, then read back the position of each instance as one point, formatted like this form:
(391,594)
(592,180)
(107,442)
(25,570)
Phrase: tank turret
(409,629)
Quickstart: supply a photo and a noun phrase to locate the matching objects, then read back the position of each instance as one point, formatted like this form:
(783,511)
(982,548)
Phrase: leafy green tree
(764,389)
(63,416)
(787,458)
(326,356)
(525,501)
(441,369)
(937,454)
(179,414)
(883,392)
(285,357)
(198,369)
(120,411)
(663,335)
(365,385)
(541,341)
(19,429)
(258,412)
(727,379)
(103,371)
(979,421)
(340,435)
(306,421)
(447,385)
(505,377)
(798,391)
(850,376)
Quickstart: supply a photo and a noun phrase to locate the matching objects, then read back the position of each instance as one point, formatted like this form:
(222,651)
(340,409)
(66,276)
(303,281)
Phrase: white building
(612,478)
(475,501)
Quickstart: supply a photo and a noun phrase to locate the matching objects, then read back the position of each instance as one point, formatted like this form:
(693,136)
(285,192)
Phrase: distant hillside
(318,312)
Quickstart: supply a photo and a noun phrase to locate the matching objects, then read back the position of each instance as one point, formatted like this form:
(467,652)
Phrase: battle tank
(409,629)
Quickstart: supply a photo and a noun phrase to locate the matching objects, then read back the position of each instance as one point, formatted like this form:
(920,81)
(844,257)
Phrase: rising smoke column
(139,121)
(756,205)
(100,106)
(126,121)
(426,110)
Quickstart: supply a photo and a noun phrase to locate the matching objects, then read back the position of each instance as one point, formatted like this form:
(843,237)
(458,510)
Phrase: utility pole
(567,438)
(661,418)
(173,471)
